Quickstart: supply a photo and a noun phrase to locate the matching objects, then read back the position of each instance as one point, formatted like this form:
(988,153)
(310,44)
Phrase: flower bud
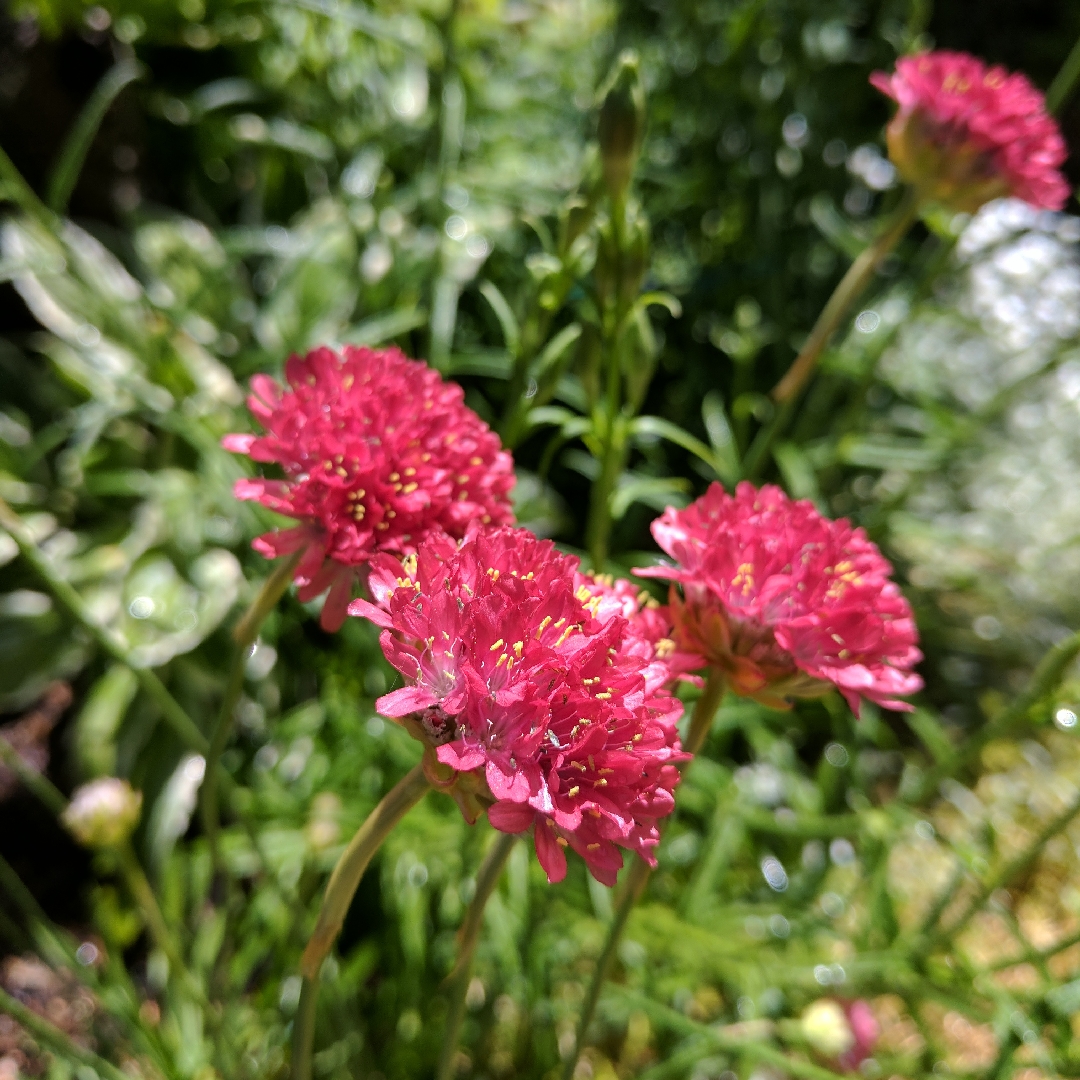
(621,123)
(825,1027)
(103,813)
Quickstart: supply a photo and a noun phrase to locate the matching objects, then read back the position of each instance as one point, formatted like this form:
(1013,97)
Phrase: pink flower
(536,690)
(842,1032)
(965,133)
(377,452)
(784,601)
(865,1030)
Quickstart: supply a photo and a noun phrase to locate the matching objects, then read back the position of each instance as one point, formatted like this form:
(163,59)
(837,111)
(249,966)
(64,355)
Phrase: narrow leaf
(657,492)
(556,348)
(511,331)
(77,145)
(718,428)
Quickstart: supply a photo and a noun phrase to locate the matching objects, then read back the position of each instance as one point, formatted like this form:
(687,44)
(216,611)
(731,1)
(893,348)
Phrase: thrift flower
(537,690)
(378,452)
(965,133)
(784,601)
(845,1032)
(103,813)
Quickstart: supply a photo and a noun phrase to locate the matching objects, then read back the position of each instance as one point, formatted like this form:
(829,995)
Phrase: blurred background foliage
(266,175)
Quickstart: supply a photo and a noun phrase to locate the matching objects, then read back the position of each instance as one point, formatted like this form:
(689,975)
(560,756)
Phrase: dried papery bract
(784,601)
(538,691)
(965,133)
(378,452)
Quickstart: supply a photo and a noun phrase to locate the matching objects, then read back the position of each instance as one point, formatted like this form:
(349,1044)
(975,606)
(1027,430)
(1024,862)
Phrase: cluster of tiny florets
(377,451)
(784,601)
(966,133)
(540,680)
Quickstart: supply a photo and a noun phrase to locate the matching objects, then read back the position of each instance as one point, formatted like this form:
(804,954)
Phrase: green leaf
(718,428)
(492,363)
(929,729)
(798,472)
(99,720)
(659,299)
(834,226)
(547,415)
(665,429)
(555,349)
(77,145)
(658,492)
(870,452)
(511,331)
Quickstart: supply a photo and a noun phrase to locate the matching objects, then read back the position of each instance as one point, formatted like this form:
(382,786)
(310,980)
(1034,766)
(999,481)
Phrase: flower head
(378,452)
(965,133)
(536,689)
(784,601)
(103,813)
(846,1032)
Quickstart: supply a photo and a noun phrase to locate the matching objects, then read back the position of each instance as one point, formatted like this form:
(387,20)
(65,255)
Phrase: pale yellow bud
(825,1027)
(103,813)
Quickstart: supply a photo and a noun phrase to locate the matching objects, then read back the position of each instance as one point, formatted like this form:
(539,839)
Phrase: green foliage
(424,173)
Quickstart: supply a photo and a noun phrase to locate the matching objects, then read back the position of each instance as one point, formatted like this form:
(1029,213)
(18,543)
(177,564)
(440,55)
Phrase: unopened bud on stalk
(622,256)
(635,261)
(622,123)
(103,813)
(825,1027)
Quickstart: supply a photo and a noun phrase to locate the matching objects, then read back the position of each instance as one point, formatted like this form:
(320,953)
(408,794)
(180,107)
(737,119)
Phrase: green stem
(844,295)
(731,1042)
(1011,869)
(700,723)
(72,602)
(788,390)
(56,1040)
(633,887)
(486,879)
(397,802)
(14,188)
(55,802)
(1061,89)
(1044,680)
(303,1032)
(704,710)
(598,528)
(244,634)
(155,921)
(341,888)
(38,784)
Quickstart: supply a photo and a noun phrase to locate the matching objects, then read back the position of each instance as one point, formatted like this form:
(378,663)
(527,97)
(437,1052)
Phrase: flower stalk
(401,798)
(397,802)
(458,980)
(244,635)
(851,287)
(638,875)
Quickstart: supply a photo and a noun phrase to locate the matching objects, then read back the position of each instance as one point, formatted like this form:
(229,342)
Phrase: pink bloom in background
(536,686)
(378,452)
(865,1030)
(965,133)
(784,601)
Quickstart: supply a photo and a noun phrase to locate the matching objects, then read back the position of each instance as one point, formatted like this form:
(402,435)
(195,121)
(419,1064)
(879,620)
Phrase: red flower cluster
(536,685)
(965,133)
(784,601)
(378,452)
